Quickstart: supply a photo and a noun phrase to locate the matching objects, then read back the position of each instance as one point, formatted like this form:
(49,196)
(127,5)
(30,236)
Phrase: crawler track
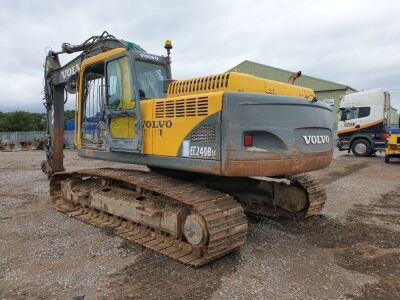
(315,190)
(224,217)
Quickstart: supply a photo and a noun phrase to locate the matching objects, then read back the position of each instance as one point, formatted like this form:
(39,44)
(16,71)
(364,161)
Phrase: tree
(22,121)
(69,115)
(26,121)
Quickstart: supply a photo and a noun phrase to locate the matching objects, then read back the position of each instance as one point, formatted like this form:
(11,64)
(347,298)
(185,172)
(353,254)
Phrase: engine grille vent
(189,107)
(198,85)
(204,134)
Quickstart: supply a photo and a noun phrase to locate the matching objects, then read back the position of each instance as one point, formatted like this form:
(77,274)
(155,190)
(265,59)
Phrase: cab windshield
(151,79)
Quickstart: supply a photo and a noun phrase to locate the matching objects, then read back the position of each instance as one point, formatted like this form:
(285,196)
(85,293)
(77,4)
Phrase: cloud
(351,42)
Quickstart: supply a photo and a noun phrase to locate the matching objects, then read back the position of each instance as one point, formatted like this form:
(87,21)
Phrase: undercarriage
(195,220)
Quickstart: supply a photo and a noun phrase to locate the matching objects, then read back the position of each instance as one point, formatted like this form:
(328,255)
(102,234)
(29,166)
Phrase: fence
(91,135)
(22,136)
(30,136)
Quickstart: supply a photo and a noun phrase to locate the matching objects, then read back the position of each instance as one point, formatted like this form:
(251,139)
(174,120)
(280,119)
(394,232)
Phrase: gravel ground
(351,250)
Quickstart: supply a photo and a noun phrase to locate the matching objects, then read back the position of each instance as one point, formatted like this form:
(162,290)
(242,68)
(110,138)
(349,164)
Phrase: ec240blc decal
(202,151)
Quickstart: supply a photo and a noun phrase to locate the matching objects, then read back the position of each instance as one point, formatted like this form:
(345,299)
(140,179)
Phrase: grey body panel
(283,121)
(281,126)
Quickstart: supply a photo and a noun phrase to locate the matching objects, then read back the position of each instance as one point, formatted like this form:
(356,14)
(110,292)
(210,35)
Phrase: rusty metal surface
(314,192)
(279,127)
(276,164)
(297,196)
(57,162)
(257,164)
(224,218)
(147,209)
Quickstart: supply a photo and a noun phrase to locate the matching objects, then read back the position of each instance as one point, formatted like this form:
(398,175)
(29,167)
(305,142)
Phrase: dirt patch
(385,289)
(386,209)
(370,260)
(360,246)
(154,276)
(109,231)
(128,246)
(348,170)
(325,232)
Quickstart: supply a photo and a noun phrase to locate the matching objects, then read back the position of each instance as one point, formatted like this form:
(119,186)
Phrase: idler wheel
(195,230)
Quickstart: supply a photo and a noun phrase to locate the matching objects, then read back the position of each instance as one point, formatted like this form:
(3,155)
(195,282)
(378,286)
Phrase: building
(324,89)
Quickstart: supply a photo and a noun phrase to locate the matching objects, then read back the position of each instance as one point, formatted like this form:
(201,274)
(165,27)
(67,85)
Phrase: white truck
(364,122)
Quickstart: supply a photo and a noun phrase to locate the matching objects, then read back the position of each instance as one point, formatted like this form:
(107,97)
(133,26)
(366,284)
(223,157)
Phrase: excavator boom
(59,81)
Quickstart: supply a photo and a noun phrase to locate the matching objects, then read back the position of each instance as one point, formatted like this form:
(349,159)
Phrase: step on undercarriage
(189,222)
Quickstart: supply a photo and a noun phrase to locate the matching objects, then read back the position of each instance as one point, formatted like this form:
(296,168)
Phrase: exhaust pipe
(293,77)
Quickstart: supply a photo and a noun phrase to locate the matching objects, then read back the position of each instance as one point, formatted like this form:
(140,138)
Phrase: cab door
(122,108)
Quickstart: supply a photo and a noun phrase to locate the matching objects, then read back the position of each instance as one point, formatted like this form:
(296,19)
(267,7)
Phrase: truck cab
(363,124)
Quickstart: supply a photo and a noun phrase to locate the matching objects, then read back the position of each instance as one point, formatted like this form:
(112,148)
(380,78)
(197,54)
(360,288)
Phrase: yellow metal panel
(146,110)
(124,73)
(101,57)
(392,141)
(280,88)
(166,141)
(237,82)
(124,127)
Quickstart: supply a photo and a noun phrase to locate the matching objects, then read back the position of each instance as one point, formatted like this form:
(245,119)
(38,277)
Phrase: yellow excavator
(219,148)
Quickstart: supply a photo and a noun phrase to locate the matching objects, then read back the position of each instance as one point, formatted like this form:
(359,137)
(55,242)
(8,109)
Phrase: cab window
(354,113)
(151,79)
(119,84)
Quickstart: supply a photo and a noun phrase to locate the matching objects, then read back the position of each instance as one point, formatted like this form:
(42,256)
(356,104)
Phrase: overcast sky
(356,43)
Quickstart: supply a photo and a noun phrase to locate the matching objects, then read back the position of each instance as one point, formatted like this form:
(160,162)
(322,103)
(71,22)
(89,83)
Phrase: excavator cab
(111,86)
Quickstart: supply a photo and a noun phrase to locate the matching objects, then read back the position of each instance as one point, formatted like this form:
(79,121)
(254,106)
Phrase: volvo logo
(157,124)
(316,139)
(70,71)
(148,56)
